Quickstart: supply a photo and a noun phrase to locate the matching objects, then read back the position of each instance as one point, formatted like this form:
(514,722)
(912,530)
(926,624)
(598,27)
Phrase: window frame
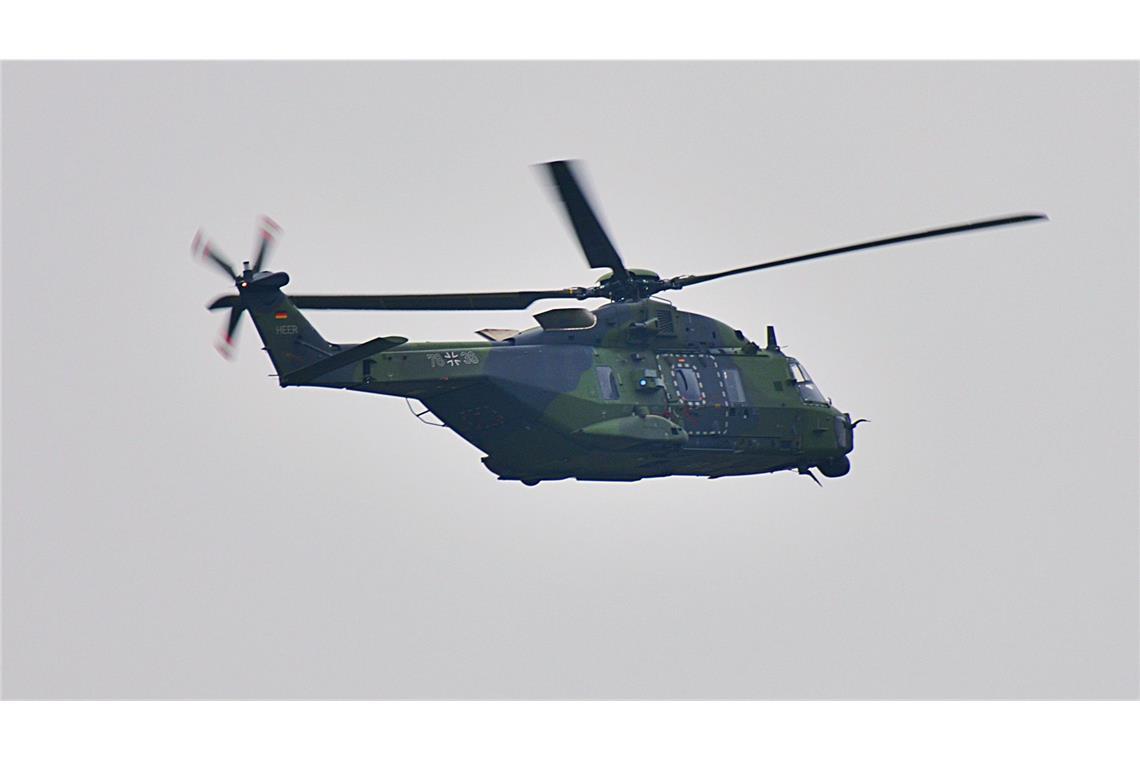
(734,394)
(690,392)
(808,391)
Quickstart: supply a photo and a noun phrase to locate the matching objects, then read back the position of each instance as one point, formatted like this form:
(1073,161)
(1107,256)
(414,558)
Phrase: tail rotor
(205,250)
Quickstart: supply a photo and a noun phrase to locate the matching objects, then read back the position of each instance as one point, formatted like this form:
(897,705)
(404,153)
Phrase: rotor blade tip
(558,169)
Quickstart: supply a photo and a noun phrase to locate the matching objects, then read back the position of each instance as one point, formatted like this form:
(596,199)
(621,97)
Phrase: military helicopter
(633,389)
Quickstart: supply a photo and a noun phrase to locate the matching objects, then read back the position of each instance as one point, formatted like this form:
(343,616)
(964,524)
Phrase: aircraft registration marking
(451,359)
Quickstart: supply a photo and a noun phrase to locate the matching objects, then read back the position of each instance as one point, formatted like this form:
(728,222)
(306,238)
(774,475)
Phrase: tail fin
(290,340)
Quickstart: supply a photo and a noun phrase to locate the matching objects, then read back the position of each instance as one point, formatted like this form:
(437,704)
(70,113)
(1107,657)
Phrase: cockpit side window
(733,388)
(807,389)
(798,372)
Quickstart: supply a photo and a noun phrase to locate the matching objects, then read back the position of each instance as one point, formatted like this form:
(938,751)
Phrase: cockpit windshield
(807,389)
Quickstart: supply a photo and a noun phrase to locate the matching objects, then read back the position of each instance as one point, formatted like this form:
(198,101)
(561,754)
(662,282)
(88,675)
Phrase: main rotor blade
(681,282)
(600,252)
(424,302)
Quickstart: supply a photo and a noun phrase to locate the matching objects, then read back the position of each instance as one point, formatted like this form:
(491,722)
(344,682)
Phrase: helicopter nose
(844,434)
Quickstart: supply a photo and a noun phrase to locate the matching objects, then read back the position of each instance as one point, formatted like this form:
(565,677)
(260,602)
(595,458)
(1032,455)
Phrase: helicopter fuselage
(627,391)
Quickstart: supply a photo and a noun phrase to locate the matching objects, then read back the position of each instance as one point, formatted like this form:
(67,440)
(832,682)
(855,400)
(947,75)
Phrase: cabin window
(733,388)
(608,383)
(688,388)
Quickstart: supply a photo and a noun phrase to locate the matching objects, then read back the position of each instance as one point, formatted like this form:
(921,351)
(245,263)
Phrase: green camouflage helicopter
(635,388)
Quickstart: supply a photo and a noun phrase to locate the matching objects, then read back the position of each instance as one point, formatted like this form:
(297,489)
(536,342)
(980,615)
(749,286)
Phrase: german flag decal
(281,315)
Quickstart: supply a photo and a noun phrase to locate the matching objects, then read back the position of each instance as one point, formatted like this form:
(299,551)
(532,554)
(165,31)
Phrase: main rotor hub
(635,285)
(636,274)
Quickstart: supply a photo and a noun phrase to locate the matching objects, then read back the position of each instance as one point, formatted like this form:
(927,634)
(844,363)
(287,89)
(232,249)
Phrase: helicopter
(635,388)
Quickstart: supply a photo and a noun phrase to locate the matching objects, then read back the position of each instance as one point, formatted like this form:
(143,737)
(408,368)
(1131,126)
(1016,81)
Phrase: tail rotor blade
(205,250)
(269,231)
(226,343)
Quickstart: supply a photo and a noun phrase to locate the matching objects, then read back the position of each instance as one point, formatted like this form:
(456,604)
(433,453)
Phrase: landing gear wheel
(834,468)
(530,482)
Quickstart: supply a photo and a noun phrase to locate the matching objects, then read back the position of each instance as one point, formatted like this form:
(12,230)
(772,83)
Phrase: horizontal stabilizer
(342,359)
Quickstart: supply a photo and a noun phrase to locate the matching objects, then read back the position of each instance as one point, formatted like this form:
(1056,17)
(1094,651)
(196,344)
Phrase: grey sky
(176,526)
